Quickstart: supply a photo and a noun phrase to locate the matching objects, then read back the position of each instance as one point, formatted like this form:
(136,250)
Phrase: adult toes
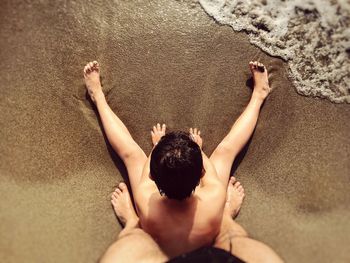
(123,186)
(118,191)
(232,179)
(114,202)
(237,183)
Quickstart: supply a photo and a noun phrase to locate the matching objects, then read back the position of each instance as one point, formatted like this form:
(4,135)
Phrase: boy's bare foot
(157,133)
(122,205)
(234,197)
(92,80)
(196,136)
(261,81)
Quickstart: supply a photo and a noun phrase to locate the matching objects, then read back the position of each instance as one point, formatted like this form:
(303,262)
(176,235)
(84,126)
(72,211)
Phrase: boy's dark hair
(176,165)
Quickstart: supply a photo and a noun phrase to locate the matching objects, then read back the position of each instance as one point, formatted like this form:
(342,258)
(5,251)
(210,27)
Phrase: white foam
(313,36)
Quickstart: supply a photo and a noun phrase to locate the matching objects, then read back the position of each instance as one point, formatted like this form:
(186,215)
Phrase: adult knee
(251,250)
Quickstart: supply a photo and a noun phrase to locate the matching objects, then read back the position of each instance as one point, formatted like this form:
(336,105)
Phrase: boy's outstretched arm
(224,155)
(118,135)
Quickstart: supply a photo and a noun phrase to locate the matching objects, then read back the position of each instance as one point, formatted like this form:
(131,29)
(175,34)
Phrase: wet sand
(162,61)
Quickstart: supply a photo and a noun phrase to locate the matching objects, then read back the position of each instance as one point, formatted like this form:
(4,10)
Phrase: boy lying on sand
(179,192)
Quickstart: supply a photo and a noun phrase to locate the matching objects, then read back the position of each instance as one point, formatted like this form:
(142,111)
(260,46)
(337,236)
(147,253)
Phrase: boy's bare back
(182,226)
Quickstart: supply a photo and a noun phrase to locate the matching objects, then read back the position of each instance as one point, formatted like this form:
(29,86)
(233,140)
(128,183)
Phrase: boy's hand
(196,136)
(157,133)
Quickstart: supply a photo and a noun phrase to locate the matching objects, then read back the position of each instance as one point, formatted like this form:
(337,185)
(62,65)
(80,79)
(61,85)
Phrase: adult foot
(234,197)
(261,81)
(157,133)
(196,136)
(122,205)
(92,80)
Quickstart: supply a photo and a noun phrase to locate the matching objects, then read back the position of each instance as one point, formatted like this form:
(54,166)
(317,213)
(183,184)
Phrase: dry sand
(163,61)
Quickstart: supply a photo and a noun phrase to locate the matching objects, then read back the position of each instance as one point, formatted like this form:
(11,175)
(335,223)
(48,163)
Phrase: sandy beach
(162,61)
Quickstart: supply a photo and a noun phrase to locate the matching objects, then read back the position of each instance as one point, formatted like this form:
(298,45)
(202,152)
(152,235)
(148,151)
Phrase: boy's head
(176,165)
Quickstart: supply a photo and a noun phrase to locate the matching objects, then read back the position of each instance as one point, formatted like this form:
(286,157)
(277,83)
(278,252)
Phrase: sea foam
(313,36)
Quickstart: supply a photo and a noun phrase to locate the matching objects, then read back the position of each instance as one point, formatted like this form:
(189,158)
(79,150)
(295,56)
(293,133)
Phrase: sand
(162,61)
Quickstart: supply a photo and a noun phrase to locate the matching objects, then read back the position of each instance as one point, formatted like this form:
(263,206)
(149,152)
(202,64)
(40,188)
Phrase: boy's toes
(261,67)
(252,65)
(95,67)
(88,68)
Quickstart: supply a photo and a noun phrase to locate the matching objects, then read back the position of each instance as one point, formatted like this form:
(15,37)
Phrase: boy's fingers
(163,127)
(191,131)
(195,130)
(158,126)
(199,132)
(154,129)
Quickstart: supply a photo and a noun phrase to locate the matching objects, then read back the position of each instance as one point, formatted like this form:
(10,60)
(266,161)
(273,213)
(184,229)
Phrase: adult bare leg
(242,129)
(233,238)
(133,244)
(118,135)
